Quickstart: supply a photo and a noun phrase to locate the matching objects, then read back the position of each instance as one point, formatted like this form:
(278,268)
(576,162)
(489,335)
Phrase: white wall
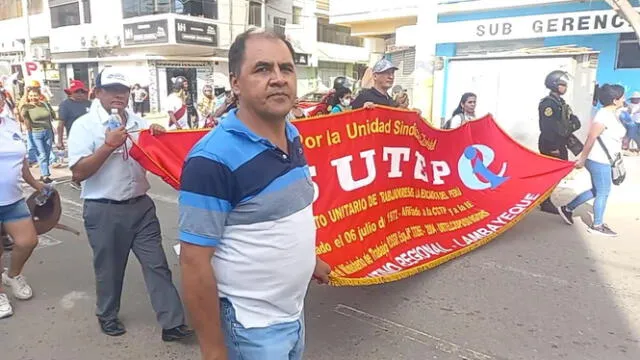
(279,8)
(106,22)
(16,28)
(345,11)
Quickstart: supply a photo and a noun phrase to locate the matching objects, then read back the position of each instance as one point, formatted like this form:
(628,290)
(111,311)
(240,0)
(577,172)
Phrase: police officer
(557,124)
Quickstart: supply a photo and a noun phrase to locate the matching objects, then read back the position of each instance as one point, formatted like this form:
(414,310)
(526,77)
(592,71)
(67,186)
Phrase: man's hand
(580,163)
(321,272)
(369,105)
(115,138)
(60,145)
(156,129)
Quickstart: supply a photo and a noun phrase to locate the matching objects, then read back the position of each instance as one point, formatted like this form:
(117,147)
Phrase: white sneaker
(21,290)
(5,306)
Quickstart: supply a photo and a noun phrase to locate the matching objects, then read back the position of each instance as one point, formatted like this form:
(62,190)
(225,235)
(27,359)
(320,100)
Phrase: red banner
(394,196)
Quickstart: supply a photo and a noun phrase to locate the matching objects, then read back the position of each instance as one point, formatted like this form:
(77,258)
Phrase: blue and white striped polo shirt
(252,202)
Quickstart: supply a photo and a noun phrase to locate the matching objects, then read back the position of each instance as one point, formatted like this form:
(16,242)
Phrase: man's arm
(200,293)
(204,204)
(60,134)
(358,102)
(83,161)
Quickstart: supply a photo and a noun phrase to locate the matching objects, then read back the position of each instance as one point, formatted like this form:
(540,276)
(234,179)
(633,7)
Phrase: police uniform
(557,125)
(554,119)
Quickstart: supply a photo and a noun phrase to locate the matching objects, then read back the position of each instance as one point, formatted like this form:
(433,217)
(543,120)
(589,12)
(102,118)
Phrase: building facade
(502,51)
(157,40)
(324,50)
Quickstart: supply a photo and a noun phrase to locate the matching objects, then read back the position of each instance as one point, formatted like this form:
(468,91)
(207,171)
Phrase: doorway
(189,73)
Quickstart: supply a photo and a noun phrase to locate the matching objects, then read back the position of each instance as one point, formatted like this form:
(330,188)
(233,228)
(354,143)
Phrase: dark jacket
(555,122)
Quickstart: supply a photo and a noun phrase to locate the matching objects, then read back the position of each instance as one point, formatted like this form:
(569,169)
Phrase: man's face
(113,97)
(267,84)
(384,79)
(208,92)
(562,89)
(80,95)
(185,85)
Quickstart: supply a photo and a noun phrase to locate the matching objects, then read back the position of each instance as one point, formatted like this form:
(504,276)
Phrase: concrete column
(376,48)
(27,35)
(425,55)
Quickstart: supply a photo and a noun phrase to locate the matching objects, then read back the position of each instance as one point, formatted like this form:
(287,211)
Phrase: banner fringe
(342,281)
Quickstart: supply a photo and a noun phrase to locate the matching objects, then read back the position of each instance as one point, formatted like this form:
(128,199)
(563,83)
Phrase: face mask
(345,102)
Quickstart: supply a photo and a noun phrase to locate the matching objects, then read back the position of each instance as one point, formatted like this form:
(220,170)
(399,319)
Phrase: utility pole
(628,12)
(27,34)
(425,55)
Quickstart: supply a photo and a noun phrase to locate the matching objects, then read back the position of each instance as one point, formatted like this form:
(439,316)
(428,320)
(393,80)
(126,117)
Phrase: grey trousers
(116,229)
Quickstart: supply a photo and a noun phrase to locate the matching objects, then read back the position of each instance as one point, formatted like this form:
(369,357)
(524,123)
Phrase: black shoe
(46,180)
(566,215)
(112,327)
(602,230)
(548,207)
(177,333)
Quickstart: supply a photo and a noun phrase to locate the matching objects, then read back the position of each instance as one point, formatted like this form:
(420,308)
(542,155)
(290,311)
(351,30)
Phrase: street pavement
(543,290)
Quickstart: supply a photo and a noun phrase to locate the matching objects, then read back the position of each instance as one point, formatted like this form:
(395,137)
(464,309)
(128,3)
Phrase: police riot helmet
(341,81)
(555,79)
(178,83)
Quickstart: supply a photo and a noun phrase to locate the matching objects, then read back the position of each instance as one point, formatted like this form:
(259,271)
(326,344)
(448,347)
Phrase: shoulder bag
(618,172)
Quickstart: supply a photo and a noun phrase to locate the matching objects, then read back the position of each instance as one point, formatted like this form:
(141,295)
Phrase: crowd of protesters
(243,303)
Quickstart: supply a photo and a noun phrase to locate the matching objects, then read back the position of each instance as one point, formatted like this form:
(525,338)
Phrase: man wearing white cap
(118,215)
(383,78)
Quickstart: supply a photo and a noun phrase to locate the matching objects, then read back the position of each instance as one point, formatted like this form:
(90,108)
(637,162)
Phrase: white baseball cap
(112,77)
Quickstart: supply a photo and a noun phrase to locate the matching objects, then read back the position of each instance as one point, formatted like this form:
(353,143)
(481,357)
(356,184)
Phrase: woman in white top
(608,128)
(15,218)
(465,112)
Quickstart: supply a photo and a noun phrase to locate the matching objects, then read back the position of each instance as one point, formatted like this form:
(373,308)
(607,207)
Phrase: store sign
(196,33)
(535,26)
(301,59)
(148,32)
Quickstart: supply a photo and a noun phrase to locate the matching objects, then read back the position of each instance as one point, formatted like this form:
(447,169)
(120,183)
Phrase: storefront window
(65,15)
(202,8)
(628,52)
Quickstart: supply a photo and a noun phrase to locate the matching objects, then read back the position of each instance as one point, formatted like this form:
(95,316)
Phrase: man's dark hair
(608,93)
(238,48)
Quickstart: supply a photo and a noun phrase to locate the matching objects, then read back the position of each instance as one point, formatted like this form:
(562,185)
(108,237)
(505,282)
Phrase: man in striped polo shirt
(246,223)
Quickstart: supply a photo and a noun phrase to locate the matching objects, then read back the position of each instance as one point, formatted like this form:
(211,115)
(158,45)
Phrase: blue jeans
(14,212)
(43,140)
(276,342)
(600,188)
(633,132)
(31,148)
(32,151)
